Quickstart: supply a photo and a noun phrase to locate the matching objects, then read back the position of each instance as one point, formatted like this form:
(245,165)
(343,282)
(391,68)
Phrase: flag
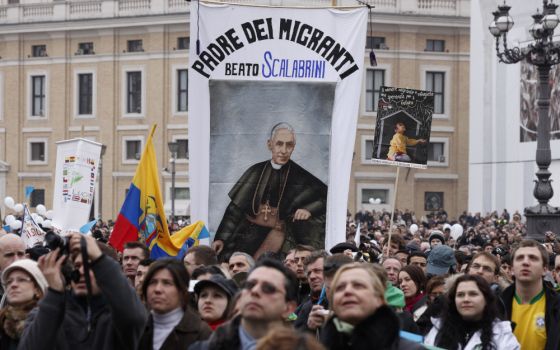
(28,191)
(357,236)
(87,227)
(142,216)
(181,241)
(31,233)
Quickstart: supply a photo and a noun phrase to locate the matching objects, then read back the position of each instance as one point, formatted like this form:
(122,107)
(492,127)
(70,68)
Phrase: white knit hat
(31,268)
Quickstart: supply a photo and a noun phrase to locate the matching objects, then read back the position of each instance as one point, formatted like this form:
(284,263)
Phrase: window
(182,193)
(134,46)
(435,81)
(183,151)
(133,149)
(376,42)
(39,50)
(37,151)
(134,92)
(13,2)
(433,201)
(182,91)
(85,93)
(85,49)
(38,95)
(375,78)
(368,153)
(37,197)
(375,196)
(435,45)
(183,43)
(436,152)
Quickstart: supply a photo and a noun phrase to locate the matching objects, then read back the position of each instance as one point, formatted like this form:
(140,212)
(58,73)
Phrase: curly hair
(453,331)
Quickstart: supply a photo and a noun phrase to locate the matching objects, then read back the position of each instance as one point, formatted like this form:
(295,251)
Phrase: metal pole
(172,189)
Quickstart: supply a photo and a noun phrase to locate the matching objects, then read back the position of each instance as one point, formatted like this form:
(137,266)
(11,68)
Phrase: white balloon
(41,209)
(47,224)
(377,200)
(456,231)
(413,228)
(371,201)
(18,208)
(9,219)
(9,202)
(34,216)
(16,225)
(39,220)
(49,214)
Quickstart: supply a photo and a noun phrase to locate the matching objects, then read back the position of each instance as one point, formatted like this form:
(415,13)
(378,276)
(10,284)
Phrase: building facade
(107,70)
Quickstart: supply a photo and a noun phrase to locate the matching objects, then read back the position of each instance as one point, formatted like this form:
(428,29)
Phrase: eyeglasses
(18,280)
(266,287)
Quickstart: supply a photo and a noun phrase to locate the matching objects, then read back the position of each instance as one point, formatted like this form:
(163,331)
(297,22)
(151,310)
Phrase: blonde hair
(378,287)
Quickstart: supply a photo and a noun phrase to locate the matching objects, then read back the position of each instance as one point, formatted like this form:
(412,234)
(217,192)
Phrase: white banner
(76,172)
(273,88)
(31,233)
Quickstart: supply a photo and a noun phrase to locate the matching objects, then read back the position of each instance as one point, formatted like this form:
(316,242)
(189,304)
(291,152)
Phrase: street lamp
(173,148)
(543,53)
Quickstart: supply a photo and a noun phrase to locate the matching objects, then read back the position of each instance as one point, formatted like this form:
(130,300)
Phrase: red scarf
(216,324)
(410,302)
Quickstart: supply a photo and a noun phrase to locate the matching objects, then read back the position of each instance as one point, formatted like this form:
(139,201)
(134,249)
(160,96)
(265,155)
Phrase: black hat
(341,247)
(228,286)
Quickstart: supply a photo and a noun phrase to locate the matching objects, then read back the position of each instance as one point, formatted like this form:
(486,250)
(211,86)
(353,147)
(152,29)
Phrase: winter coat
(117,319)
(503,336)
(225,337)
(378,331)
(189,330)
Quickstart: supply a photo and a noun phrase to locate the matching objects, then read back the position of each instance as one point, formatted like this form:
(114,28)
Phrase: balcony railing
(49,10)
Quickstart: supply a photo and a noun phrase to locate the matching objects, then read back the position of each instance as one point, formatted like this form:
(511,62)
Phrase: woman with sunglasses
(172,325)
(24,285)
(361,318)
(470,319)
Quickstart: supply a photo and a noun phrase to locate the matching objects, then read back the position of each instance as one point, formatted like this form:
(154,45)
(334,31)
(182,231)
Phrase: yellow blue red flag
(181,241)
(142,216)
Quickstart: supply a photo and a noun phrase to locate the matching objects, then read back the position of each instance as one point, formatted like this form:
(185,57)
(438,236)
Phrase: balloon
(34,216)
(18,208)
(371,201)
(413,228)
(16,225)
(47,224)
(9,219)
(39,220)
(41,210)
(49,214)
(377,200)
(9,202)
(456,231)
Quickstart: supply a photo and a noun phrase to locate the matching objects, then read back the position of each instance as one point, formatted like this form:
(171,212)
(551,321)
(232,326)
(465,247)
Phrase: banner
(273,105)
(76,173)
(403,126)
(31,233)
(142,216)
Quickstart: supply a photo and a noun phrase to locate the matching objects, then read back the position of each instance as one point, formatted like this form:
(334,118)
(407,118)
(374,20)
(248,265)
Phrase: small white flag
(31,233)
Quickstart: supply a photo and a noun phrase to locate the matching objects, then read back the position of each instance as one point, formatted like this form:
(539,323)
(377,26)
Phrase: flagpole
(393,212)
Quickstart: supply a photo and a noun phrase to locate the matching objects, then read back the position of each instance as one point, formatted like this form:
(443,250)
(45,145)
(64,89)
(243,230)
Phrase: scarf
(410,302)
(12,318)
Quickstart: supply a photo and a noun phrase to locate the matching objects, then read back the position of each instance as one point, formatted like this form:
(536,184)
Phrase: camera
(53,241)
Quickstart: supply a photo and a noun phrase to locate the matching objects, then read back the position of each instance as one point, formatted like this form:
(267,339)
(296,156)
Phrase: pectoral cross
(265,210)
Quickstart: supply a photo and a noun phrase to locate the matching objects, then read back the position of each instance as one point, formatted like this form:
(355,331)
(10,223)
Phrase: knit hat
(394,296)
(412,247)
(31,268)
(441,258)
(437,234)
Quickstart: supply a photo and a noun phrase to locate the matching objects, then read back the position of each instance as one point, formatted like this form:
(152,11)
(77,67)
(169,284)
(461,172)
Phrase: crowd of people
(476,285)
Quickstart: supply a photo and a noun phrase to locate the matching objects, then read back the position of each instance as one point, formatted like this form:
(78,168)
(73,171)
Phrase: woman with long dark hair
(470,319)
(412,282)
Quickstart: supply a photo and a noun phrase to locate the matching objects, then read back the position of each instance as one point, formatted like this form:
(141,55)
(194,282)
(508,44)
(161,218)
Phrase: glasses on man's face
(18,280)
(266,287)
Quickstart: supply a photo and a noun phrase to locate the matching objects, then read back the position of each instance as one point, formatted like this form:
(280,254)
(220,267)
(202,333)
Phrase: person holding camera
(109,315)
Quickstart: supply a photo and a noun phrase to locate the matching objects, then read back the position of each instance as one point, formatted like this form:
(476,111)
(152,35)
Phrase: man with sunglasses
(267,299)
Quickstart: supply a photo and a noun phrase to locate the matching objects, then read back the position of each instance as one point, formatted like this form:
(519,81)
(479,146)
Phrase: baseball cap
(441,258)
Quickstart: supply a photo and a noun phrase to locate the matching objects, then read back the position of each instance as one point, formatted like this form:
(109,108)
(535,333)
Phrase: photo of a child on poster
(402,128)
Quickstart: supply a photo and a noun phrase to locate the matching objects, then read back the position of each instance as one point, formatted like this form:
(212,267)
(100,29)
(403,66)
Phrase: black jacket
(378,331)
(551,316)
(225,337)
(117,321)
(189,330)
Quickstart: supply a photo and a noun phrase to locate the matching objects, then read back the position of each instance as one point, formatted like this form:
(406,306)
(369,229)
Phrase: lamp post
(173,148)
(543,53)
